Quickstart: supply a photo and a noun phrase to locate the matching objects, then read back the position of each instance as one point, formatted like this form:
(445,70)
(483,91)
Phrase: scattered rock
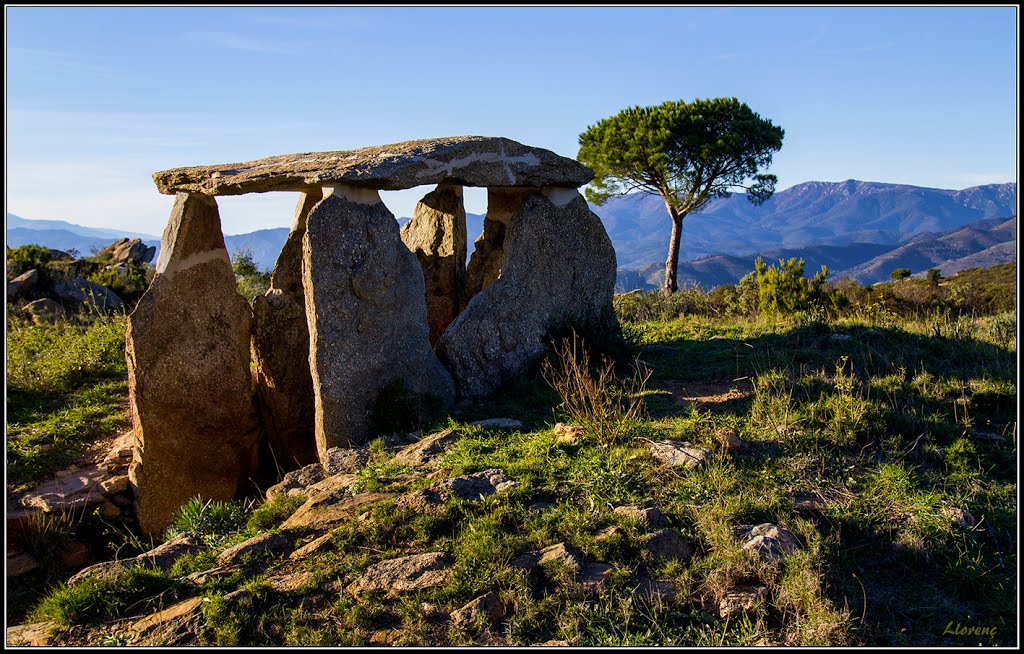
(366,311)
(743,599)
(342,460)
(298,481)
(487,607)
(36,634)
(44,310)
(730,439)
(476,486)
(596,575)
(289,583)
(564,553)
(24,285)
(20,564)
(657,591)
(667,545)
(320,544)
(499,423)
(554,643)
(678,453)
(202,576)
(408,573)
(608,533)
(256,546)
(330,508)
(650,518)
(808,503)
(74,555)
(125,251)
(526,561)
(178,625)
(120,454)
(568,434)
(386,637)
(960,517)
(84,292)
(425,502)
(73,489)
(427,451)
(161,557)
(768,540)
(114,485)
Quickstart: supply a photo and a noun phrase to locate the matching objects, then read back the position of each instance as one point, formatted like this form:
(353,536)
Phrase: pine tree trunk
(673,252)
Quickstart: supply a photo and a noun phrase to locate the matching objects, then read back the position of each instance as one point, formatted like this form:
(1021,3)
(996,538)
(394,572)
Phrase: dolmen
(220,390)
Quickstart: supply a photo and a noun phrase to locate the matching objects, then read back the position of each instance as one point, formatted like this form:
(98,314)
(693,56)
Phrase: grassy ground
(895,430)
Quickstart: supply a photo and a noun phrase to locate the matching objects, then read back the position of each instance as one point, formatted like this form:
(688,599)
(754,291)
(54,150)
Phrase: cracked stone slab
(404,574)
(462,160)
(678,453)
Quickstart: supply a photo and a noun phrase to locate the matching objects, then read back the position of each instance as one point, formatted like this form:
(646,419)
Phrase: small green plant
(593,396)
(784,291)
(211,520)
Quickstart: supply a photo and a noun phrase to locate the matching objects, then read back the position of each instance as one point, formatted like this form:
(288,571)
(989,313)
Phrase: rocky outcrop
(126,251)
(84,293)
(464,160)
(557,274)
(189,381)
(24,285)
(161,557)
(366,313)
(436,234)
(280,347)
(403,575)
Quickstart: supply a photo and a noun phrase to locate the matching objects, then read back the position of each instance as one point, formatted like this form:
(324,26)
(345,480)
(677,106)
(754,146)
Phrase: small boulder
(345,460)
(289,583)
(650,517)
(488,607)
(568,434)
(125,251)
(768,540)
(44,310)
(427,451)
(20,564)
(596,575)
(678,453)
(667,545)
(177,625)
(83,292)
(657,591)
(729,439)
(331,508)
(319,544)
(526,561)
(161,557)
(24,285)
(256,546)
(297,481)
(563,553)
(404,574)
(36,634)
(73,489)
(960,517)
(740,600)
(476,486)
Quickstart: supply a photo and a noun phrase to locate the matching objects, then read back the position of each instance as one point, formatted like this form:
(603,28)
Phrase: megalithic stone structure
(557,274)
(366,313)
(436,234)
(352,311)
(189,383)
(280,348)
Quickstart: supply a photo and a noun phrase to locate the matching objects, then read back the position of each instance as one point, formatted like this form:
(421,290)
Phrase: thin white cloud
(52,61)
(233,41)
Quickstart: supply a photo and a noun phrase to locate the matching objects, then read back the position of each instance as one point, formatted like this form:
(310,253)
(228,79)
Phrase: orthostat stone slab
(463,160)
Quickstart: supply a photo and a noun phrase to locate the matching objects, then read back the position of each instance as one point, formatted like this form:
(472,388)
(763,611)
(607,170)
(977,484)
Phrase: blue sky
(98,98)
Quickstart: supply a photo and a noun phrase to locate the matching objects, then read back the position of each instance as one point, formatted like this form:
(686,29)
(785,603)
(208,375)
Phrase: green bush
(251,281)
(784,291)
(23,259)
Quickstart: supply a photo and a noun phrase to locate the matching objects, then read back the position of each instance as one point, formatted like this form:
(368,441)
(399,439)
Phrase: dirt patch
(709,395)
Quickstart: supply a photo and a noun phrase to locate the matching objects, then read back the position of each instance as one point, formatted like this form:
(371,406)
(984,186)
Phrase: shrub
(595,397)
(251,282)
(23,259)
(210,520)
(784,291)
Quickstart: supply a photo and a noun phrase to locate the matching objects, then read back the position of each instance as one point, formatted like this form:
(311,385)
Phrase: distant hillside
(813,213)
(981,243)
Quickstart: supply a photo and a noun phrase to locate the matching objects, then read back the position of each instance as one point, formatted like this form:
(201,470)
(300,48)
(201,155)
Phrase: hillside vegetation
(878,425)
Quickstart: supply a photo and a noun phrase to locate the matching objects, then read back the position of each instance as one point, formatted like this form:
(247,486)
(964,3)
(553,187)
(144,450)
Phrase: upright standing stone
(189,383)
(489,248)
(437,236)
(280,346)
(557,274)
(366,313)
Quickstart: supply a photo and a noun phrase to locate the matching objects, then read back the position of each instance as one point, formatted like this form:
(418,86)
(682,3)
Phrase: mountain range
(861,229)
